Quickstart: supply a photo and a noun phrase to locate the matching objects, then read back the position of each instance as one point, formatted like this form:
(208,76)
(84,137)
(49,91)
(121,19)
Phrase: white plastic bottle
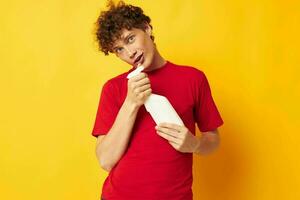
(159,107)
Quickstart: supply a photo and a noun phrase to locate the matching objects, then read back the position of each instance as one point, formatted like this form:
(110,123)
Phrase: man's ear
(148,29)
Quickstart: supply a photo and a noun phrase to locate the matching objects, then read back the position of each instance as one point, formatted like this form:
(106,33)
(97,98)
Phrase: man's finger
(168,131)
(168,137)
(171,126)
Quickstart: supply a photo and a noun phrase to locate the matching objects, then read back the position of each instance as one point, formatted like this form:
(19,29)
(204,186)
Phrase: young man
(145,161)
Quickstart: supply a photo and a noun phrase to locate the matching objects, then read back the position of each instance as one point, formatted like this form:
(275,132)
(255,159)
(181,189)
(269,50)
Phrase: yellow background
(52,75)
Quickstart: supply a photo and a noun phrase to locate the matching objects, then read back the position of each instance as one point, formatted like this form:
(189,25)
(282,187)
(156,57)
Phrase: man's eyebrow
(127,36)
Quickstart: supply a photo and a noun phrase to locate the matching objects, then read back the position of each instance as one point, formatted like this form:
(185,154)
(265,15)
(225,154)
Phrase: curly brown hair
(110,23)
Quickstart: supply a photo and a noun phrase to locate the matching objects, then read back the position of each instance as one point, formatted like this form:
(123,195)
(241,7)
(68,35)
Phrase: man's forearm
(207,143)
(115,142)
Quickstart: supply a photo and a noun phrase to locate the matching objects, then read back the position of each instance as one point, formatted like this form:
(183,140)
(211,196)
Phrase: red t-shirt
(151,168)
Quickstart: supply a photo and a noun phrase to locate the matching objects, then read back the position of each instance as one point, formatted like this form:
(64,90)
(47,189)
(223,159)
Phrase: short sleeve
(206,113)
(107,110)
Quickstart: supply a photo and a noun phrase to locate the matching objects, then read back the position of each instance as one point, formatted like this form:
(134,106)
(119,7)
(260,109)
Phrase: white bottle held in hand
(158,106)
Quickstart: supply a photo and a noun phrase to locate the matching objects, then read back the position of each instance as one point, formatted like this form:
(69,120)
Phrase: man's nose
(131,53)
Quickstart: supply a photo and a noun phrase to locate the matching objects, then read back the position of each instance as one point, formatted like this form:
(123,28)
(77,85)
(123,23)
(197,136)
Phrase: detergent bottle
(159,107)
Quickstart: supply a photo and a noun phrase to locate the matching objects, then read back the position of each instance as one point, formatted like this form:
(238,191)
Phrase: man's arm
(111,147)
(208,142)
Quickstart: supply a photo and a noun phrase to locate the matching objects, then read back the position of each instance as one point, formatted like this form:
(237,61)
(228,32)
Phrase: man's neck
(158,62)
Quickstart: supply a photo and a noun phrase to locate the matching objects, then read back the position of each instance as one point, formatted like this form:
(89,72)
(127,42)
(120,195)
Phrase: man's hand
(179,137)
(138,89)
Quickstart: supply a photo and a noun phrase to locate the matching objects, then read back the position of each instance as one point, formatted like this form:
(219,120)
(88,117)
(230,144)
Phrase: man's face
(135,46)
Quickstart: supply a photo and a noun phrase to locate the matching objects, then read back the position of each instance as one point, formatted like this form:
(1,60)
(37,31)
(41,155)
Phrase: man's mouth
(138,59)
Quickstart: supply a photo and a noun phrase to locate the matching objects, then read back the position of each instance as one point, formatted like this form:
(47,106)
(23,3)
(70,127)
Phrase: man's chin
(142,64)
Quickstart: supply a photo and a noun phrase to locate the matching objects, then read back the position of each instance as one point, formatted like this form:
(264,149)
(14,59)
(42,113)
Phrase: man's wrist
(197,145)
(132,107)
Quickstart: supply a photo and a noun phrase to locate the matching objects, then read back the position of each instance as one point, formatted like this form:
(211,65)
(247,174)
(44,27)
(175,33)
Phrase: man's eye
(131,39)
(119,50)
